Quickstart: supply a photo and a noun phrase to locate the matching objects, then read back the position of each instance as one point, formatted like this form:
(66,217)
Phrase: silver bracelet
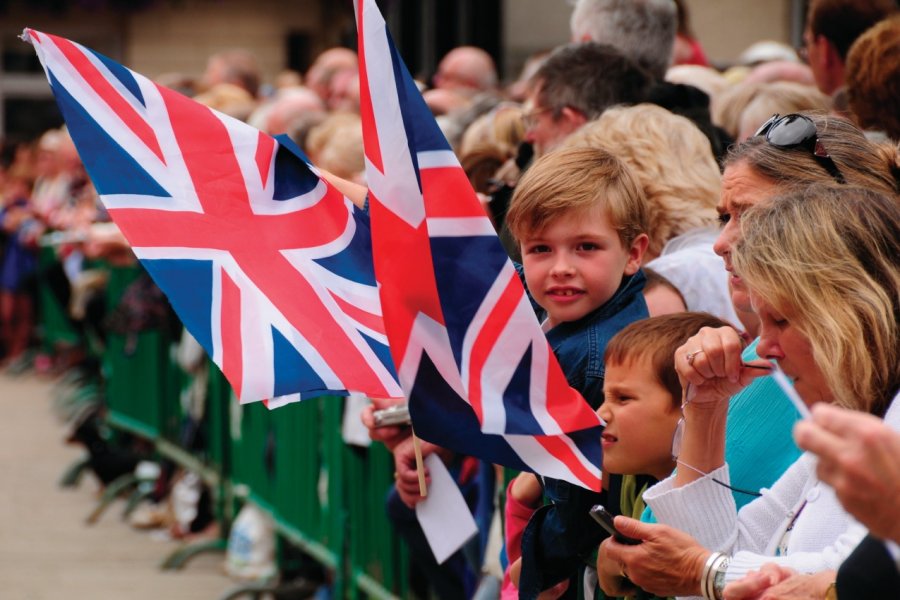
(718,577)
(709,585)
(705,579)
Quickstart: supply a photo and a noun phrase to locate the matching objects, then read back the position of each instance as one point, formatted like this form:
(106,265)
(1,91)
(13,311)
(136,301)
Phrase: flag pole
(420,465)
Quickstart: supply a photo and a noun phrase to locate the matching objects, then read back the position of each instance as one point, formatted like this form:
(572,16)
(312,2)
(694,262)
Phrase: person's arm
(773,581)
(354,191)
(707,513)
(711,370)
(667,562)
(523,497)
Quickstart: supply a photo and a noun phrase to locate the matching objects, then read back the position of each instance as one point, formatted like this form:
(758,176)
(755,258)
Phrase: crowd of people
(687,234)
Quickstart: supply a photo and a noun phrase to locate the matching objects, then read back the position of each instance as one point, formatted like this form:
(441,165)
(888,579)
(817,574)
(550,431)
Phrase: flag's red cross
(255,242)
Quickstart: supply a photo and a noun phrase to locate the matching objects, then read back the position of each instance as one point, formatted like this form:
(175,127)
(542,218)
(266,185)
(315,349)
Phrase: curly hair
(673,162)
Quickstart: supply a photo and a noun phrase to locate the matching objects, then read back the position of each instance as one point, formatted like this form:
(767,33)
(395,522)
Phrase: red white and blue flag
(472,359)
(267,265)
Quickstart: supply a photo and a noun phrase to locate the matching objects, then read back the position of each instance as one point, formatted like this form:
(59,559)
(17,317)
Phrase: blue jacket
(561,536)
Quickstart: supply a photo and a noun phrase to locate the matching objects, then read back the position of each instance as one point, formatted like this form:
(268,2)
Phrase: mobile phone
(605,519)
(392,416)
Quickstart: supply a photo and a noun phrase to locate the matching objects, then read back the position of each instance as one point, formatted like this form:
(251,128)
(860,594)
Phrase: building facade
(156,37)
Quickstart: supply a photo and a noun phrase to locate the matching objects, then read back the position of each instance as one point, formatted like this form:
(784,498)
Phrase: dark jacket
(869,572)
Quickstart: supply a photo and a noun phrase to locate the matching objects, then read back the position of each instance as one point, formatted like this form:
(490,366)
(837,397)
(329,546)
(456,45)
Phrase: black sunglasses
(799,131)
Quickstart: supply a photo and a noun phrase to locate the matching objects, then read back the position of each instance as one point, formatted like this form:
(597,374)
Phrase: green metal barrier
(325,497)
(55,326)
(377,558)
(142,381)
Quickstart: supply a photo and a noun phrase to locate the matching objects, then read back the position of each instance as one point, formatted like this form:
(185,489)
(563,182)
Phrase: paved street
(46,550)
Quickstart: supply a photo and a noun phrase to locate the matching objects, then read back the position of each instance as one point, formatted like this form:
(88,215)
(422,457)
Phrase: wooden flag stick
(420,465)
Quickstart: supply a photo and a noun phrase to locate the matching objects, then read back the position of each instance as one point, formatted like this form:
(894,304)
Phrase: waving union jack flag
(472,359)
(268,266)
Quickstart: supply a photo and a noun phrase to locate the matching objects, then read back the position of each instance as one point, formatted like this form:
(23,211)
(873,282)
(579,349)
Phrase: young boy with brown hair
(642,407)
(580,220)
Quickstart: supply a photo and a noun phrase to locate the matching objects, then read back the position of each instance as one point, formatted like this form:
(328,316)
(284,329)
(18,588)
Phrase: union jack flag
(477,370)
(268,266)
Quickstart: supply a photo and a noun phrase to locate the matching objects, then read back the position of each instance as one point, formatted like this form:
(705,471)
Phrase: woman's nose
(726,239)
(768,346)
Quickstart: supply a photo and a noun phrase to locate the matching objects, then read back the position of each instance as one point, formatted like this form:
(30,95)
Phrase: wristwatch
(831,592)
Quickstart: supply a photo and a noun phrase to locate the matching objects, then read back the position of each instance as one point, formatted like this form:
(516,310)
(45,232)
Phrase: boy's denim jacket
(561,535)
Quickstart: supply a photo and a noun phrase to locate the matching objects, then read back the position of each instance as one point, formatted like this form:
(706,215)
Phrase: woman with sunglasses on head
(822,266)
(760,417)
(780,157)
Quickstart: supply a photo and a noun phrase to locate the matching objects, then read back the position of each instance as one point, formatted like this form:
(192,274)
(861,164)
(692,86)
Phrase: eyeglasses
(529,119)
(799,131)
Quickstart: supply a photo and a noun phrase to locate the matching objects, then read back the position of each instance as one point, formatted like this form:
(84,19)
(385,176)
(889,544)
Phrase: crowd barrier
(325,497)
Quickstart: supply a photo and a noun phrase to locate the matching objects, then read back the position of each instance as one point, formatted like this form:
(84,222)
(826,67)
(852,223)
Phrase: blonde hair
(336,145)
(826,257)
(500,128)
(783,97)
(672,160)
(577,179)
(727,107)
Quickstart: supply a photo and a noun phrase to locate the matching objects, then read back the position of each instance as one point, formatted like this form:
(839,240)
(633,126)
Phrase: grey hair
(643,30)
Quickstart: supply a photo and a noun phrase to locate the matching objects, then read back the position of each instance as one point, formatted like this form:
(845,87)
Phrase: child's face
(576,263)
(640,421)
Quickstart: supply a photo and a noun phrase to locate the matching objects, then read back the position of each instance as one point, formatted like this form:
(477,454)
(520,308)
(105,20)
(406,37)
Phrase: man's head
(289,105)
(326,67)
(831,28)
(466,70)
(237,67)
(642,30)
(579,217)
(575,85)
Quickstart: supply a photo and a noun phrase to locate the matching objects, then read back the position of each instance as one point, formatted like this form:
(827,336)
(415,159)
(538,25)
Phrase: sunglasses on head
(799,131)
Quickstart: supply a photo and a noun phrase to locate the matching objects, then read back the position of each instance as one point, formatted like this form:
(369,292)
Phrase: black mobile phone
(605,519)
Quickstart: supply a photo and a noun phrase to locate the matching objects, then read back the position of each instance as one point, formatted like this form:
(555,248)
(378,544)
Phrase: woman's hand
(667,562)
(711,362)
(755,583)
(711,370)
(774,582)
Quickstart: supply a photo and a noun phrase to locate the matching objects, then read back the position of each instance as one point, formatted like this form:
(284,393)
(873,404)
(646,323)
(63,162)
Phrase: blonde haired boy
(580,220)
